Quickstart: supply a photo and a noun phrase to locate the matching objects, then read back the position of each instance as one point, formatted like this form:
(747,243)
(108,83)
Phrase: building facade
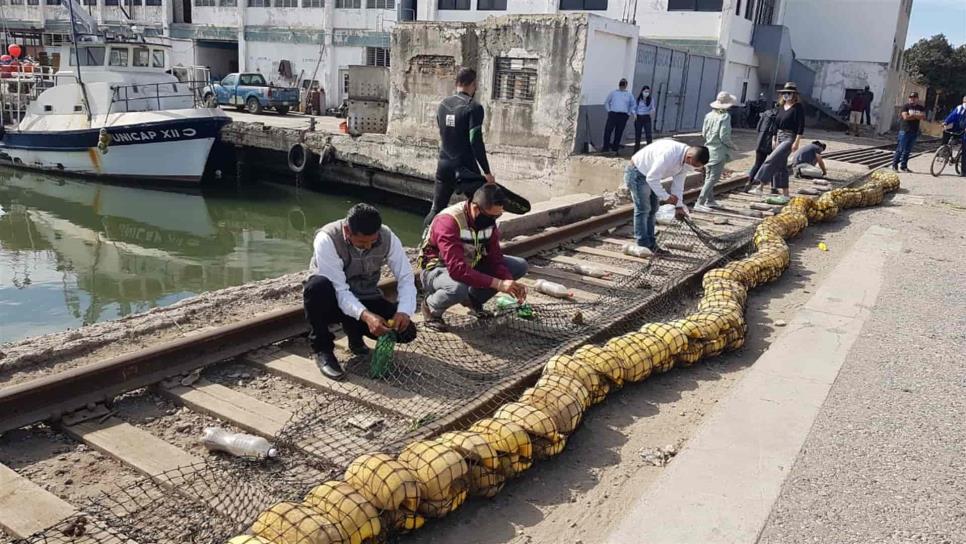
(827,46)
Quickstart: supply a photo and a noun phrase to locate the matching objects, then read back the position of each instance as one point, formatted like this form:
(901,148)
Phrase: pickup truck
(250,91)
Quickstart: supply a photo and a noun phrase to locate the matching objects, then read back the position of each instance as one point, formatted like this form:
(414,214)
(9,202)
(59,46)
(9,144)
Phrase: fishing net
(455,415)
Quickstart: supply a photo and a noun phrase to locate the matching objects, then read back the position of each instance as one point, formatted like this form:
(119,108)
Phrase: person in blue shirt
(644,112)
(961,109)
(956,121)
(620,106)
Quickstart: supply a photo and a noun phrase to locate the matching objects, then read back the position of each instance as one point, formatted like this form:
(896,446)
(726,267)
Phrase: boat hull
(169,151)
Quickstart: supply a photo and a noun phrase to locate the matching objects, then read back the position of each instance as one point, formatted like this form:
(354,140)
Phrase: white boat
(117,115)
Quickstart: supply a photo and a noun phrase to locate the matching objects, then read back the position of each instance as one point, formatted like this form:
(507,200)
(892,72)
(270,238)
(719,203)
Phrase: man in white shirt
(620,105)
(344,286)
(665,158)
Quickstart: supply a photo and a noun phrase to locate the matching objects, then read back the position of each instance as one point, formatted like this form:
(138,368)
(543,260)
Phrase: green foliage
(936,63)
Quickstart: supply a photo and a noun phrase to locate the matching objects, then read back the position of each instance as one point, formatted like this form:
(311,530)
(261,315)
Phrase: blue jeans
(904,148)
(645,206)
(442,291)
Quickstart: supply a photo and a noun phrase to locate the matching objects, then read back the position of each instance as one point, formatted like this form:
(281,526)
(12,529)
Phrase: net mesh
(454,415)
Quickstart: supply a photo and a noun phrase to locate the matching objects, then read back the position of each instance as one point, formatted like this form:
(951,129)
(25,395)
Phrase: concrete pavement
(722,486)
(884,460)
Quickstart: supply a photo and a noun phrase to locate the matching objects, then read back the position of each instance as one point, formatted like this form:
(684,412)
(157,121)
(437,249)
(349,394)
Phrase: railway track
(880,156)
(113,447)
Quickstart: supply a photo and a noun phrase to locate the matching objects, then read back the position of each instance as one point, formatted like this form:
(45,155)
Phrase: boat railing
(20,85)
(144,96)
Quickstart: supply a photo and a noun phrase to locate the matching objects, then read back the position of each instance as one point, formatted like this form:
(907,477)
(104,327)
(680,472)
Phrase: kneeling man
(344,286)
(461,261)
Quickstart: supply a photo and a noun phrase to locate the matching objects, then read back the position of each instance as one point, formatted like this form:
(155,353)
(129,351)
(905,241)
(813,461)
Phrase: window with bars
(132,2)
(694,5)
(111,2)
(377,56)
(515,79)
(53,2)
(348,4)
(453,4)
(33,2)
(584,4)
(286,3)
(764,12)
(20,3)
(313,3)
(152,2)
(259,3)
(204,3)
(491,5)
(228,3)
(381,4)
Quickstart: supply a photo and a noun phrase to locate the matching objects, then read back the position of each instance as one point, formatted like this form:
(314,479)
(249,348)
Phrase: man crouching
(343,286)
(461,261)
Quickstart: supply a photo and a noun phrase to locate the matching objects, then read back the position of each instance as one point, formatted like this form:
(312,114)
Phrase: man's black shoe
(906,169)
(329,365)
(895,168)
(658,250)
(358,347)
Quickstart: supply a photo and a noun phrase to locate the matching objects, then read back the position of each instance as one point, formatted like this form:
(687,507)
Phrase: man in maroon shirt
(461,261)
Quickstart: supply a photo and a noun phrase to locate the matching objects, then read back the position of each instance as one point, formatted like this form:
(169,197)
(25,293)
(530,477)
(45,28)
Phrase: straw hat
(724,101)
(789,88)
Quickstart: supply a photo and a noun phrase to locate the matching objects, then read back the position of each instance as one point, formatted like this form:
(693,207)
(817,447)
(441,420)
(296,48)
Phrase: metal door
(662,69)
(675,92)
(690,118)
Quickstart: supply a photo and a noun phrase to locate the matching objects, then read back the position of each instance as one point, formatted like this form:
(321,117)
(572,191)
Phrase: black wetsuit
(461,150)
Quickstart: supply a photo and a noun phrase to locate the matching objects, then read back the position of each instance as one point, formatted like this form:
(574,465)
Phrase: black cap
(914,94)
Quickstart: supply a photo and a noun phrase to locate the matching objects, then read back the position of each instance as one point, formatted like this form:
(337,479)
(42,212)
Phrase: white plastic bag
(665,215)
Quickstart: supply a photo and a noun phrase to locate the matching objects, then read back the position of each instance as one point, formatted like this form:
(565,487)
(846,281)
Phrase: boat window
(255,80)
(157,58)
(141,56)
(48,107)
(119,56)
(89,56)
(229,80)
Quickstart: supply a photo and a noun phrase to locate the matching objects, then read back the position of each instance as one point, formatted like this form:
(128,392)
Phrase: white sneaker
(702,208)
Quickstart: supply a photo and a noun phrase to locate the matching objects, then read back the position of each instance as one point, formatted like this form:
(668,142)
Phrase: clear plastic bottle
(552,289)
(637,251)
(238,444)
(590,270)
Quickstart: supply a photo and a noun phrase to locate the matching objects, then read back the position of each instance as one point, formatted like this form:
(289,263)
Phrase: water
(75,252)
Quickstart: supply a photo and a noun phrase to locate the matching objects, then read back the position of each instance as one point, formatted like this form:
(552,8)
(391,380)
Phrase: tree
(934,62)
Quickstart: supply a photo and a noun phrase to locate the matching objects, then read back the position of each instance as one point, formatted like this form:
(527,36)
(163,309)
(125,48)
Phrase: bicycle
(946,154)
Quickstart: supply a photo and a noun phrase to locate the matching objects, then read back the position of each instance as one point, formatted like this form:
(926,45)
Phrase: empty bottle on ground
(238,444)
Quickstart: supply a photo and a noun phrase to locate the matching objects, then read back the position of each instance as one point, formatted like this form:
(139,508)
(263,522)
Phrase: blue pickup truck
(250,92)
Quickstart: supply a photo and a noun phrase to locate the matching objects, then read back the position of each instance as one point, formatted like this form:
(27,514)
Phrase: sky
(931,17)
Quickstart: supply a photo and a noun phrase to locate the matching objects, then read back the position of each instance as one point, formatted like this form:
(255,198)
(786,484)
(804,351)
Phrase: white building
(831,44)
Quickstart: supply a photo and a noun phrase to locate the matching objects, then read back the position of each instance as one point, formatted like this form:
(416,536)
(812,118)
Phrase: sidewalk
(884,460)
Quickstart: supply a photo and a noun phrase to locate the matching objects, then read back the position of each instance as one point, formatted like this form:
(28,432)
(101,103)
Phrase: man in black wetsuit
(461,150)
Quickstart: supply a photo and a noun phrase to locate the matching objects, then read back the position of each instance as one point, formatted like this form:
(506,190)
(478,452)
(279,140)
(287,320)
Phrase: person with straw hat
(791,125)
(717,138)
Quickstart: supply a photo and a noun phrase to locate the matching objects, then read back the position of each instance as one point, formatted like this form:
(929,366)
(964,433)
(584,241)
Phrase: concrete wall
(575,55)
(852,30)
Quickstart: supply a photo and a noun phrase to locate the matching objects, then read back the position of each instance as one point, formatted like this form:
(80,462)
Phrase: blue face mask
(647,94)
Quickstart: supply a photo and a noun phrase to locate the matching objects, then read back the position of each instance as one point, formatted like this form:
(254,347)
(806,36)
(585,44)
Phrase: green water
(75,252)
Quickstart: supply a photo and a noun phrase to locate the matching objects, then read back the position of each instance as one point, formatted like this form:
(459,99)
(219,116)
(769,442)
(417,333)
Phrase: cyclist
(956,122)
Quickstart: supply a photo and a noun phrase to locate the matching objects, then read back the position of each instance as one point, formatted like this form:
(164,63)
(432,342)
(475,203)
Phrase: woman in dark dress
(790,122)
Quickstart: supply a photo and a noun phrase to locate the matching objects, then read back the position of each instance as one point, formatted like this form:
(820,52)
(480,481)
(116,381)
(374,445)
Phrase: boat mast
(77,63)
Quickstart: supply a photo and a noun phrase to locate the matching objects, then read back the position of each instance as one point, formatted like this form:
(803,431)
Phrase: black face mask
(483,222)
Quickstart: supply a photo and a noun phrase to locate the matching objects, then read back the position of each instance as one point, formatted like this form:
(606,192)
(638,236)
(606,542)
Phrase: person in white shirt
(344,286)
(620,105)
(663,159)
